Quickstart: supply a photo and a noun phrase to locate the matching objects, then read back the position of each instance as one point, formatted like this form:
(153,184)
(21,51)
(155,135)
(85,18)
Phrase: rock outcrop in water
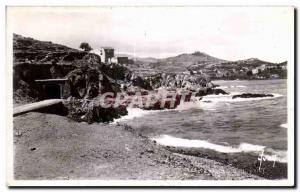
(251,95)
(210,91)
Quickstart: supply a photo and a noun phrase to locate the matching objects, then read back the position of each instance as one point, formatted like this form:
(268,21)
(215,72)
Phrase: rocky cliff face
(88,78)
(172,80)
(34,59)
(32,50)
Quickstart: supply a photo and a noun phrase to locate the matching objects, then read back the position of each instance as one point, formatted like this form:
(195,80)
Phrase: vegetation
(85,46)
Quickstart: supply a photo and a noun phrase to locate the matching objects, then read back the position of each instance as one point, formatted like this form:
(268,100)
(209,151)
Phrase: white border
(9,135)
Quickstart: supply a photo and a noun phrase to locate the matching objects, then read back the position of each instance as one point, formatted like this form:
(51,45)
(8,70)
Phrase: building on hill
(130,61)
(122,60)
(258,69)
(283,65)
(254,71)
(271,66)
(114,60)
(106,54)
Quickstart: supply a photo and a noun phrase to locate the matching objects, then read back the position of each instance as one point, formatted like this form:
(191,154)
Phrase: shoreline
(244,161)
(55,147)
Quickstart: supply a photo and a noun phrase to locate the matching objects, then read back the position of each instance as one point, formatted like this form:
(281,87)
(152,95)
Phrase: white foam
(222,87)
(179,142)
(231,86)
(228,98)
(284,125)
(208,103)
(194,104)
(133,113)
(243,147)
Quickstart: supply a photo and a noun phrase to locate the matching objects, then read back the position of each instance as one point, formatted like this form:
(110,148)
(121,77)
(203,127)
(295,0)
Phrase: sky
(230,33)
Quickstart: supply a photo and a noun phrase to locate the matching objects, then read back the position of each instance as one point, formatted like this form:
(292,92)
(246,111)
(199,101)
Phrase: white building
(106,54)
(254,71)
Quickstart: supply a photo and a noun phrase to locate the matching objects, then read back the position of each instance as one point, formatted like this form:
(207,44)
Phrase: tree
(85,46)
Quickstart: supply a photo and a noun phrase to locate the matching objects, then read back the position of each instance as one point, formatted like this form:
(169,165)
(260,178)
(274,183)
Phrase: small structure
(106,54)
(130,61)
(122,60)
(254,71)
(52,88)
(114,60)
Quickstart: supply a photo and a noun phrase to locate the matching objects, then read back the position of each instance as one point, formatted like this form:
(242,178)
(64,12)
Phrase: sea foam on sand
(243,147)
(284,125)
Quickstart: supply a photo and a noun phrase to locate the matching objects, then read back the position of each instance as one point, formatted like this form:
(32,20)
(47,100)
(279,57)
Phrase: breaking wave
(133,113)
(231,86)
(243,147)
(284,125)
(208,103)
(228,98)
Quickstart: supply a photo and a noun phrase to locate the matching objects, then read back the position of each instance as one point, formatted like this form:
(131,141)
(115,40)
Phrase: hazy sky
(223,32)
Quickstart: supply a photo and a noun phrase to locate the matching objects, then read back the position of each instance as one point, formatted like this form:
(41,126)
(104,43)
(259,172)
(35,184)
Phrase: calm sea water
(221,123)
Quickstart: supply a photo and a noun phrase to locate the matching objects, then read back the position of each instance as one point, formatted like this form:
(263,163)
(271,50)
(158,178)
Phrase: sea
(220,123)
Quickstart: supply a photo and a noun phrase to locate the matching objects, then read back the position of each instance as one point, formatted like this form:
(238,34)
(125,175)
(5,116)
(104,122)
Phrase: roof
(51,80)
(107,48)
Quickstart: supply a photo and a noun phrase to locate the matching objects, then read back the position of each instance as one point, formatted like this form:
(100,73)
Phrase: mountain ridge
(198,62)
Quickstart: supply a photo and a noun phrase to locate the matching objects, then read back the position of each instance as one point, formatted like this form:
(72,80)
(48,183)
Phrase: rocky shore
(82,144)
(248,162)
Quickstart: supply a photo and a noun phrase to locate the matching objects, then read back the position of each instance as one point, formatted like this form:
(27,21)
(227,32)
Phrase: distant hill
(212,67)
(183,62)
(43,52)
(252,63)
(146,59)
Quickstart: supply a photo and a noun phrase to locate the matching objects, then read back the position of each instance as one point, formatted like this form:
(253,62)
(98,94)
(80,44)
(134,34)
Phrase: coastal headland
(78,140)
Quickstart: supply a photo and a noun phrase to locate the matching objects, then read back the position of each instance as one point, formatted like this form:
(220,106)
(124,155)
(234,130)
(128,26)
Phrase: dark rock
(210,91)
(140,82)
(91,111)
(251,95)
(108,84)
(90,82)
(219,91)
(56,71)
(201,93)
(117,72)
(159,105)
(81,80)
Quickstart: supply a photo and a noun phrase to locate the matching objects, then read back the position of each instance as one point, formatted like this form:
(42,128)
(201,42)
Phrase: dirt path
(55,147)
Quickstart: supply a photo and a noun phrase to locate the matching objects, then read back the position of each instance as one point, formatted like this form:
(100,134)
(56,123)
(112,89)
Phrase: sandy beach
(54,147)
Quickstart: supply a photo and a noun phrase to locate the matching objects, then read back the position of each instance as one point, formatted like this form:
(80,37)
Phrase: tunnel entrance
(51,88)
(52,91)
